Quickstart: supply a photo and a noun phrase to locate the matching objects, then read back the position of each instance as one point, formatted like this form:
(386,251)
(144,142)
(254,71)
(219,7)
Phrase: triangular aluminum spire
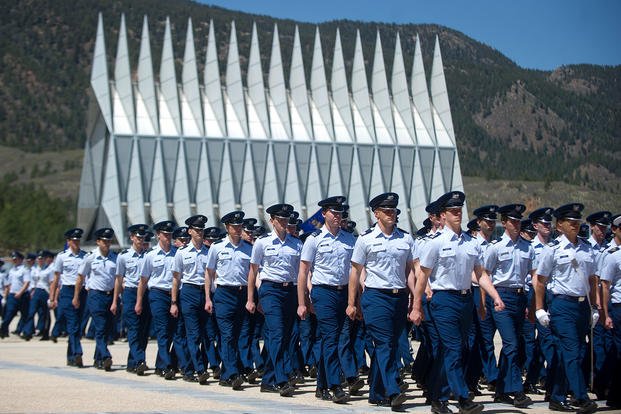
(319,90)
(204,199)
(420,93)
(335,185)
(343,123)
(357,198)
(400,95)
(439,95)
(419,198)
(180,193)
(122,79)
(360,90)
(299,93)
(135,192)
(191,91)
(398,187)
(381,96)
(111,198)
(99,76)
(248,196)
(293,194)
(170,121)
(214,110)
(256,88)
(157,196)
(234,86)
(146,102)
(278,91)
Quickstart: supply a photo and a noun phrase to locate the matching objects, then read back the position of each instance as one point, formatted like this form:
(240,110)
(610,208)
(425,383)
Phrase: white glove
(594,317)
(49,302)
(3,302)
(543,317)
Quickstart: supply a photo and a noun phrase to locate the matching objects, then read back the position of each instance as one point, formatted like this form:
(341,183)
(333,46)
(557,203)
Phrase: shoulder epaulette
(316,233)
(265,235)
(124,251)
(402,231)
(434,235)
(83,251)
(219,241)
(553,243)
(369,230)
(612,249)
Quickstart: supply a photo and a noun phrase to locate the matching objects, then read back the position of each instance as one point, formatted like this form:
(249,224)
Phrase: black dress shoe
(131,370)
(169,374)
(586,407)
(286,389)
(364,370)
(560,406)
(203,377)
(312,371)
(503,399)
(189,378)
(216,372)
(78,361)
(355,384)
(98,364)
(380,403)
(323,394)
(141,368)
(521,400)
(403,386)
(159,372)
(252,375)
(54,339)
(469,407)
(270,388)
(107,364)
(338,395)
(440,407)
(296,378)
(234,382)
(531,389)
(397,400)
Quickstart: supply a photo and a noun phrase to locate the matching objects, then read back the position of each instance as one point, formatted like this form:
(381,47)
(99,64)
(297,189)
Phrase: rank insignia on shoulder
(369,230)
(613,249)
(553,243)
(124,251)
(219,241)
(434,235)
(316,233)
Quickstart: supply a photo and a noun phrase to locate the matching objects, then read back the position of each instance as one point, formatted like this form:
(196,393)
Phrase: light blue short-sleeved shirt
(42,277)
(157,267)
(329,256)
(231,263)
(611,271)
(280,260)
(452,259)
(385,257)
(99,270)
(567,267)
(128,266)
(190,264)
(18,277)
(67,264)
(509,263)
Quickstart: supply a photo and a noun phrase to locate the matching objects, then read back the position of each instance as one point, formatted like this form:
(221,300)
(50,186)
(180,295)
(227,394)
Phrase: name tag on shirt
(324,248)
(447,252)
(565,258)
(271,251)
(504,255)
(378,248)
(224,255)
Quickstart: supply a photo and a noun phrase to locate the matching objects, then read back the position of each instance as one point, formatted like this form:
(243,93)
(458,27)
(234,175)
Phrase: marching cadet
(386,254)
(98,269)
(228,264)
(16,292)
(65,275)
(188,293)
(482,356)
(278,253)
(156,275)
(128,267)
(611,308)
(42,275)
(328,253)
(569,265)
(212,235)
(454,256)
(508,262)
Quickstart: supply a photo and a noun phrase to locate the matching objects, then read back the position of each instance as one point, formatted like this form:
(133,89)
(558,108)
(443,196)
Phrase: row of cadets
(15,292)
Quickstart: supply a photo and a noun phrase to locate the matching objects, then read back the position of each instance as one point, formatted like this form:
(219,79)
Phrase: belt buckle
(240,287)
(339,287)
(581,298)
(464,291)
(285,284)
(395,291)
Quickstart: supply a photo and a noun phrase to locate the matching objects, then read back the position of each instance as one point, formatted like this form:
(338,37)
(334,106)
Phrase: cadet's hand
(416,316)
(543,317)
(208,305)
(138,308)
(608,323)
(594,317)
(428,292)
(351,312)
(174,310)
(499,305)
(18,295)
(52,304)
(251,307)
(302,311)
(113,308)
(75,302)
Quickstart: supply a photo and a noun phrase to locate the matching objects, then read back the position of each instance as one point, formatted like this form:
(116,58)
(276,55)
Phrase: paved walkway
(34,379)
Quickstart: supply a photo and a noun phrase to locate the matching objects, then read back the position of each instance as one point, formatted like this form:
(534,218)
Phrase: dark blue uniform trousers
(99,304)
(229,302)
(14,305)
(351,347)
(385,315)
(569,322)
(137,326)
(279,304)
(192,301)
(74,319)
(452,316)
(509,323)
(487,328)
(614,395)
(38,306)
(164,324)
(530,357)
(330,305)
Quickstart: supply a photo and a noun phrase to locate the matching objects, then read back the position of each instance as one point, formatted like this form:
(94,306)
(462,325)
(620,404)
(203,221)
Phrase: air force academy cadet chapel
(159,147)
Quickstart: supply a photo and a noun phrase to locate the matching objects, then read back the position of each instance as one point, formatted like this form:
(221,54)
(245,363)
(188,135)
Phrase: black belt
(332,287)
(571,298)
(462,292)
(68,286)
(278,284)
(517,291)
(192,285)
(161,290)
(105,292)
(130,288)
(389,291)
(232,287)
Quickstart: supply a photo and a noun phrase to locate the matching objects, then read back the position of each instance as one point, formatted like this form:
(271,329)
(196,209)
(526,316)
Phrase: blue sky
(539,34)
